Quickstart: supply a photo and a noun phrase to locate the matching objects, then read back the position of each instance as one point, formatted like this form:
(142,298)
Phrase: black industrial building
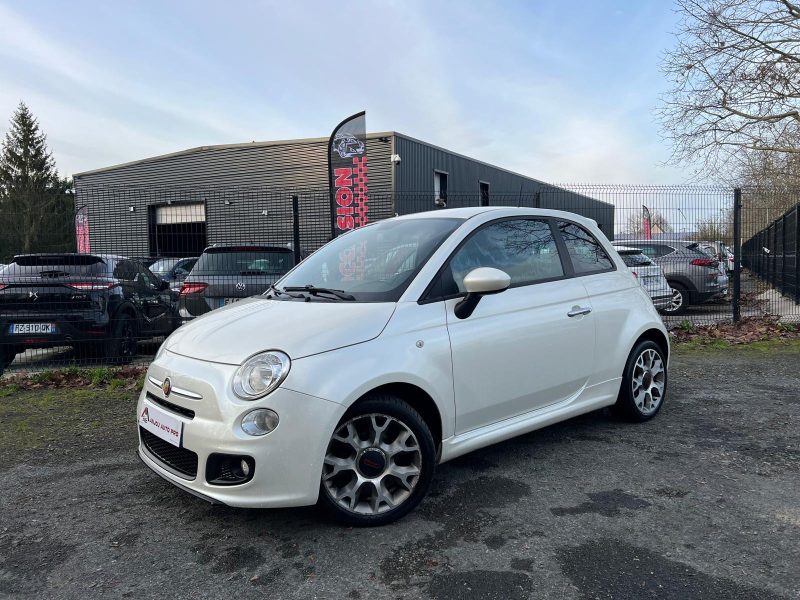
(178,203)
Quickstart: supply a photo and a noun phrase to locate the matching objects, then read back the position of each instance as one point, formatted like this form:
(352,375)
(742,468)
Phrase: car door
(156,304)
(609,291)
(520,350)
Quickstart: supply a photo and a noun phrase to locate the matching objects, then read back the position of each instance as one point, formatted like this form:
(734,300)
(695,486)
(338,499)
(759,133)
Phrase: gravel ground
(702,502)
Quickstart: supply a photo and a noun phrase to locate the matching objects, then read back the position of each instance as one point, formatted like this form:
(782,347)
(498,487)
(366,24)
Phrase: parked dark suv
(100,304)
(226,274)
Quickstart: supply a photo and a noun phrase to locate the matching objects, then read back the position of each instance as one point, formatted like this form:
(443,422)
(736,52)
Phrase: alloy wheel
(676,302)
(648,381)
(372,465)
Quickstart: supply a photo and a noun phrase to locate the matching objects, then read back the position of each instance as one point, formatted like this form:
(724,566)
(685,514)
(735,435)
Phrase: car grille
(186,412)
(179,459)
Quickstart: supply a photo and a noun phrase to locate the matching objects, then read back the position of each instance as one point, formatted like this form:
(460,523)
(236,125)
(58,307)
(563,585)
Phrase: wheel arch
(417,398)
(657,337)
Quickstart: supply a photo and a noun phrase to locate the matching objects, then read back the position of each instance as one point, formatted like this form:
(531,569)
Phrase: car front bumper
(288,460)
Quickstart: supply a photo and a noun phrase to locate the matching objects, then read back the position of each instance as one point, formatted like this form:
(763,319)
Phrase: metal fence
(57,310)
(773,254)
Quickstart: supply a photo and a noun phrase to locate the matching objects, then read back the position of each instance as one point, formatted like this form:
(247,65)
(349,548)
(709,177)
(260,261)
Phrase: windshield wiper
(316,291)
(272,289)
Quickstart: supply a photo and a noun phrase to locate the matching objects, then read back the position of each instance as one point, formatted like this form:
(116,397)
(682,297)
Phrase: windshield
(375,263)
(245,261)
(163,265)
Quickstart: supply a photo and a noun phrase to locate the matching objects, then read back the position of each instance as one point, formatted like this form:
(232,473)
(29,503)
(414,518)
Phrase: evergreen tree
(35,206)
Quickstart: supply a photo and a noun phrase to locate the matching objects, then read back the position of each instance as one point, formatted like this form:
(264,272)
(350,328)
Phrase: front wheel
(379,463)
(644,382)
(121,345)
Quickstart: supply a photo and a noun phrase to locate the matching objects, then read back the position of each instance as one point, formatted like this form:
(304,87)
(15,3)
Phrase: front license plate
(32,328)
(161,424)
(227,301)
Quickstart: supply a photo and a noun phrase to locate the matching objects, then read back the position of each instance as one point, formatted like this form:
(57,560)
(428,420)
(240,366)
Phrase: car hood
(233,333)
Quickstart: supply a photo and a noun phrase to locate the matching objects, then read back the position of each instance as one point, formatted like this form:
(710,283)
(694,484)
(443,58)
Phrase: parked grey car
(226,274)
(692,275)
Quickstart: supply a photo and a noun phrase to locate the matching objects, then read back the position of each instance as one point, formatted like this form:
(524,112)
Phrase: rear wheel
(679,301)
(644,382)
(121,346)
(379,463)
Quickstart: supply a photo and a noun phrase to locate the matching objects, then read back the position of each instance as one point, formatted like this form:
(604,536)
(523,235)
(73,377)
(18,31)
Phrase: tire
(7,354)
(364,456)
(644,385)
(121,345)
(680,300)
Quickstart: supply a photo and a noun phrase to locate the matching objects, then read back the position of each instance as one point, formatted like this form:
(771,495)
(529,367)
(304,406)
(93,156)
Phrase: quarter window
(523,248)
(586,252)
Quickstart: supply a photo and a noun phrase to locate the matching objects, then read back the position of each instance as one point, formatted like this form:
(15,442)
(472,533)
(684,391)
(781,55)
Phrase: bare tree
(659,223)
(716,228)
(735,73)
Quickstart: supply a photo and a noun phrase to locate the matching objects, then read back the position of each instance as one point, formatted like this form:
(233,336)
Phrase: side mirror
(478,283)
(163,285)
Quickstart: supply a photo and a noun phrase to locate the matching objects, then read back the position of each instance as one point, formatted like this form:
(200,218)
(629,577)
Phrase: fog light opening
(229,469)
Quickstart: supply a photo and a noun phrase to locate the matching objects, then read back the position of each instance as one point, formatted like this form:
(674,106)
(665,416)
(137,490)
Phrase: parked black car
(100,304)
(173,270)
(226,274)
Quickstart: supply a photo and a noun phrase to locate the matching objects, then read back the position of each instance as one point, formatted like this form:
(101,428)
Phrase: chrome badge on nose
(166,387)
(240,287)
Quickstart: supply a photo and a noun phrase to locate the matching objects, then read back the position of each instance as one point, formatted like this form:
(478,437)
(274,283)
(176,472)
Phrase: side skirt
(591,398)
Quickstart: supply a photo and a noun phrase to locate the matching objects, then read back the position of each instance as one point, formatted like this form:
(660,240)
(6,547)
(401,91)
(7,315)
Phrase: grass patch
(708,344)
(72,411)
(72,421)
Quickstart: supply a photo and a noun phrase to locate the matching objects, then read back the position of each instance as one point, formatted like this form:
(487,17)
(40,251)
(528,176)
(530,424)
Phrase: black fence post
(296,228)
(737,254)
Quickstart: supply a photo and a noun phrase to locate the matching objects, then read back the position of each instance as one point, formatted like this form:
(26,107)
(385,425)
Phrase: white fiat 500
(396,347)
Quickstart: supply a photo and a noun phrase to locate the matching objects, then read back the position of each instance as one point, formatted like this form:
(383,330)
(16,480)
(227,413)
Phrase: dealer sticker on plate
(161,424)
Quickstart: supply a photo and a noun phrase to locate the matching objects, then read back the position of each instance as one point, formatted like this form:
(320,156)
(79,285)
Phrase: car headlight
(260,374)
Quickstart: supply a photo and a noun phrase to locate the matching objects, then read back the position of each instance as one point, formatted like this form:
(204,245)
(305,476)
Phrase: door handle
(578,310)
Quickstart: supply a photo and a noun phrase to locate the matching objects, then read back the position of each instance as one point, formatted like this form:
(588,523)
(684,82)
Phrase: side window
(523,248)
(148,278)
(125,271)
(586,252)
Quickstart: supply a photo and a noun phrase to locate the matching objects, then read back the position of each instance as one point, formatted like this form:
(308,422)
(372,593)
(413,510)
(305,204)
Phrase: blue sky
(561,91)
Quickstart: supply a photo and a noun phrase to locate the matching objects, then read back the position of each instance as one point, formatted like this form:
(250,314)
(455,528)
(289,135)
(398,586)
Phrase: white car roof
(473,211)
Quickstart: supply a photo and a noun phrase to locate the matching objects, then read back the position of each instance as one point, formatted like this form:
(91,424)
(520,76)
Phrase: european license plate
(32,328)
(161,424)
(227,301)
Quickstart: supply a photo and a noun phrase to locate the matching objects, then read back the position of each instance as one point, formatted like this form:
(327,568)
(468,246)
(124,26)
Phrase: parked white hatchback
(395,347)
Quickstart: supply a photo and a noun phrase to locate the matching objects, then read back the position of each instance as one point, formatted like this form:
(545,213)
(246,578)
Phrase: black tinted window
(585,251)
(523,248)
(245,261)
(55,265)
(125,270)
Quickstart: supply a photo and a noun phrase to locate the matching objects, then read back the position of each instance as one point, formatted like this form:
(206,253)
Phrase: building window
(484,189)
(440,187)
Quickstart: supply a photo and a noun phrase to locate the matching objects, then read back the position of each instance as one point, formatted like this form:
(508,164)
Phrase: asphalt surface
(701,502)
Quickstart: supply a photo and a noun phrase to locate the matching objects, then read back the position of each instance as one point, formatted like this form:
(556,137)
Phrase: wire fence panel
(772,253)
(102,276)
